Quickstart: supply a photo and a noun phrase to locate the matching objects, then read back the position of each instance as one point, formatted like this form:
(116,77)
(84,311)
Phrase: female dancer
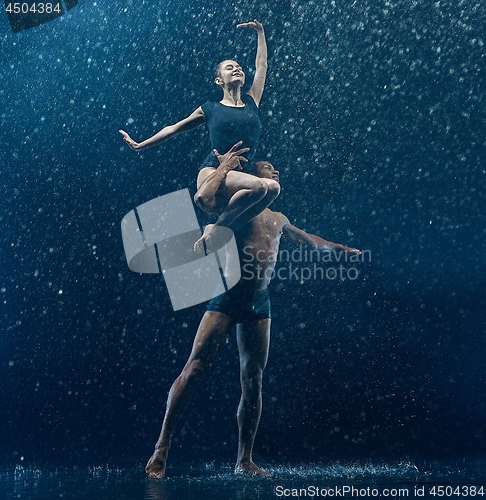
(232,122)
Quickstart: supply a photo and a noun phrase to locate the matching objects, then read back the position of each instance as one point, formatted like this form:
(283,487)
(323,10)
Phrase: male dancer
(246,306)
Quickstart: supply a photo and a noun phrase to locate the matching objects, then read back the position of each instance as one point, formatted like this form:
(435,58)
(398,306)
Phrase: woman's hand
(134,145)
(255,25)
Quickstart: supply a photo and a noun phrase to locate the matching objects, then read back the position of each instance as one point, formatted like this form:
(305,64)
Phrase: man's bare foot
(248,467)
(156,465)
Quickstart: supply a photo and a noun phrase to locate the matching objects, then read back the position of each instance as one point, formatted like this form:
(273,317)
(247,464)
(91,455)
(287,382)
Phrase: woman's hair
(217,70)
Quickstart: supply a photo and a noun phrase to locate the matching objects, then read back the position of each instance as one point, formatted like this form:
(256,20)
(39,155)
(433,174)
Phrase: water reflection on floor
(216,481)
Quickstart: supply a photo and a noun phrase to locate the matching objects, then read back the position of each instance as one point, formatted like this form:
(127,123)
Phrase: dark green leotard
(227,125)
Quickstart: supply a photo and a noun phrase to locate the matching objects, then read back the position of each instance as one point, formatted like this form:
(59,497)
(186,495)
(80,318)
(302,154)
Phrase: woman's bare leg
(244,205)
(247,196)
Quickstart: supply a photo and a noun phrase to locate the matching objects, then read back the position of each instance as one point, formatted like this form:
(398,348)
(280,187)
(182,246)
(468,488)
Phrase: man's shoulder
(277,216)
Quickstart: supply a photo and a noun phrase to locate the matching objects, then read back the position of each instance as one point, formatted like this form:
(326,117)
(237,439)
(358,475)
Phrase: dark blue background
(374,114)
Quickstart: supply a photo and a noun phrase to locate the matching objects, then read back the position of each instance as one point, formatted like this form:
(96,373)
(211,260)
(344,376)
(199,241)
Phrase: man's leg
(213,328)
(253,344)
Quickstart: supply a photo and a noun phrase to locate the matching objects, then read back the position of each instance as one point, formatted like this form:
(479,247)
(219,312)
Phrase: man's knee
(251,378)
(193,371)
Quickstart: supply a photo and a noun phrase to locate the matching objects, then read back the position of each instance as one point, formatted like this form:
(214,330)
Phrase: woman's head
(229,72)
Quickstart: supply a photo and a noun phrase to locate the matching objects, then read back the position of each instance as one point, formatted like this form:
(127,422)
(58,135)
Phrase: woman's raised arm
(258,85)
(194,120)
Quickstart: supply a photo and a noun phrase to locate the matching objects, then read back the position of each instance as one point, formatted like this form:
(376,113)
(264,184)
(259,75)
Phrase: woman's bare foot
(156,465)
(204,239)
(248,467)
(213,238)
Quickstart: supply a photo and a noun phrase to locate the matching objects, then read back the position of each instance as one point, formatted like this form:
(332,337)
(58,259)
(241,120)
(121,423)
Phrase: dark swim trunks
(242,307)
(228,125)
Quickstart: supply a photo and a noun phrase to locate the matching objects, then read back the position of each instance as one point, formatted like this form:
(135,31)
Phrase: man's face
(266,170)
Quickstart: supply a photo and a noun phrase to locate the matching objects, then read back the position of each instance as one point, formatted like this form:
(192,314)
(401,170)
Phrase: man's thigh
(254,342)
(213,329)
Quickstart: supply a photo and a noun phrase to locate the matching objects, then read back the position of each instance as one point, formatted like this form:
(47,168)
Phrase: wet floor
(216,481)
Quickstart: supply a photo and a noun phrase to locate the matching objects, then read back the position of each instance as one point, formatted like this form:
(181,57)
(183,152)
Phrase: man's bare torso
(258,243)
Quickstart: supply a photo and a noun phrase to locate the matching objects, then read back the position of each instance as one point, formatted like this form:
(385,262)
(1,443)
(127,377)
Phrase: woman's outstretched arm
(258,85)
(194,120)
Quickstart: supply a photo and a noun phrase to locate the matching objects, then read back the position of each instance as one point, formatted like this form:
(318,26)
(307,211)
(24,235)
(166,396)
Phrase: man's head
(265,170)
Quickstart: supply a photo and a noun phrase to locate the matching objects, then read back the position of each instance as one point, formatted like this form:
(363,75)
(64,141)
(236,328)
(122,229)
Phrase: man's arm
(315,242)
(261,65)
(205,198)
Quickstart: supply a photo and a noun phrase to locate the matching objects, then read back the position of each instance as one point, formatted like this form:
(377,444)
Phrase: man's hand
(233,158)
(337,247)
(133,144)
(255,25)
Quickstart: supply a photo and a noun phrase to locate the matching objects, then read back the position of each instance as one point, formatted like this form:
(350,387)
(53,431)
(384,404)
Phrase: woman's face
(230,73)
